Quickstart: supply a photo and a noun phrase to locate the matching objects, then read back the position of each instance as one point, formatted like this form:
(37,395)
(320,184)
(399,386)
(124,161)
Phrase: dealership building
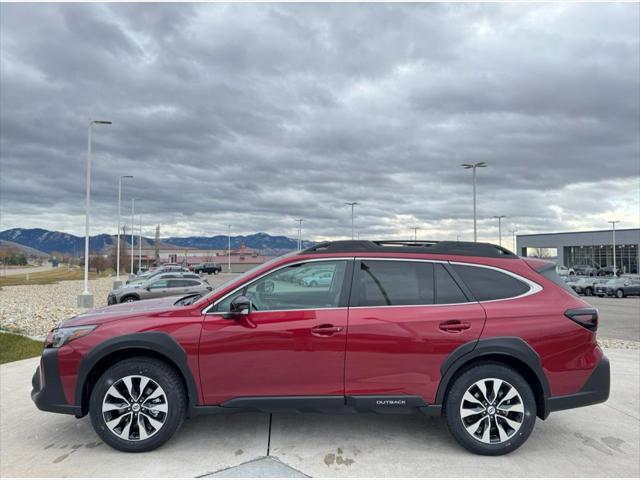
(585,248)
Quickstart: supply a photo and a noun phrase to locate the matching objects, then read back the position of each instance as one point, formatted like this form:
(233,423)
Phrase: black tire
(313,283)
(165,377)
(620,293)
(588,291)
(454,399)
(129,299)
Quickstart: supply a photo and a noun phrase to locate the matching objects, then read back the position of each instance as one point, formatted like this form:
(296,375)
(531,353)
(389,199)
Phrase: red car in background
(469,331)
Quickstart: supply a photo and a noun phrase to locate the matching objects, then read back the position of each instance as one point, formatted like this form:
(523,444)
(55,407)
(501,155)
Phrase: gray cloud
(256,114)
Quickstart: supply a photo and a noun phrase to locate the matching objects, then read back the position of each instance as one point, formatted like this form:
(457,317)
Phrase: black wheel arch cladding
(512,347)
(157,344)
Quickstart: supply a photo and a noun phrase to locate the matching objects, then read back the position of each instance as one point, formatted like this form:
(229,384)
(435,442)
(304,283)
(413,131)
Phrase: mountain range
(53,241)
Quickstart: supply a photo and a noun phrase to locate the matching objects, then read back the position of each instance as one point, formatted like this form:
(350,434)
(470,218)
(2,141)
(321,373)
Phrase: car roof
(412,246)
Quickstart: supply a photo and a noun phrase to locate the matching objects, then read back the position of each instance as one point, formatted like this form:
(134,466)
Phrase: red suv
(468,331)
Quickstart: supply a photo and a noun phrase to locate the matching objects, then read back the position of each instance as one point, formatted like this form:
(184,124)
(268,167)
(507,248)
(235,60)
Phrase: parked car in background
(571,281)
(157,271)
(564,271)
(467,331)
(608,271)
(585,270)
(586,285)
(322,279)
(207,267)
(618,287)
(139,281)
(159,287)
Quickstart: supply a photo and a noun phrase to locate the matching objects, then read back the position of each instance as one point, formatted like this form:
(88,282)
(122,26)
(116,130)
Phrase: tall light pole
(85,299)
(133,209)
(118,282)
(140,245)
(299,220)
(613,224)
(353,204)
(474,166)
(513,239)
(500,217)
(415,233)
(229,250)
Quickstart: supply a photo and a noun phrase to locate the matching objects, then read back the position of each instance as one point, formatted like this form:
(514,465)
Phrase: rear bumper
(47,391)
(111,299)
(595,390)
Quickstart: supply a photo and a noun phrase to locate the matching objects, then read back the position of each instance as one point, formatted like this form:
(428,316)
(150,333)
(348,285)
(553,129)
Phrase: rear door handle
(454,326)
(325,330)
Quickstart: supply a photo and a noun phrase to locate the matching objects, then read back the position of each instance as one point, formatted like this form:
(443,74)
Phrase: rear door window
(380,283)
(488,284)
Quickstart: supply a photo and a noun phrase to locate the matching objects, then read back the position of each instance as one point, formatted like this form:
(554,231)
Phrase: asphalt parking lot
(601,440)
(619,317)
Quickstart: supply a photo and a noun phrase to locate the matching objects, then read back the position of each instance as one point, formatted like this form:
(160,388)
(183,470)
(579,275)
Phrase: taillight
(585,317)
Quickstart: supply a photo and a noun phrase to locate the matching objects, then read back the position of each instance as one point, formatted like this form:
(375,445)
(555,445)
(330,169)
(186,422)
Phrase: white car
(564,271)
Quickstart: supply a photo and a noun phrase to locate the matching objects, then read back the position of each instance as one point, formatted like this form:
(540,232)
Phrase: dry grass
(50,276)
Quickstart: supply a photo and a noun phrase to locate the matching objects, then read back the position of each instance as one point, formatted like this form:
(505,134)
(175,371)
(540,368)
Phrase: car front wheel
(620,293)
(137,404)
(588,292)
(490,409)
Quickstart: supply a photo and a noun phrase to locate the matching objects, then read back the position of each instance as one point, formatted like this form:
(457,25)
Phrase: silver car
(168,286)
(140,280)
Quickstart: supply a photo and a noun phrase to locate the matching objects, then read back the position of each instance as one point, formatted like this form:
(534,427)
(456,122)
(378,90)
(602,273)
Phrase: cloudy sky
(253,115)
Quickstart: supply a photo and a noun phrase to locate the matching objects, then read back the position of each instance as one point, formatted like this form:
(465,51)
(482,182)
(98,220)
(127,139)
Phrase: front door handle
(325,330)
(454,326)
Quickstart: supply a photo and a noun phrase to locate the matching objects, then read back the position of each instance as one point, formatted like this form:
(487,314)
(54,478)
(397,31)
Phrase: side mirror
(241,305)
(148,288)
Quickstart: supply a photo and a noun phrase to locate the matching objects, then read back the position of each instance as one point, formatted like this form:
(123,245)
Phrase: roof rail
(412,246)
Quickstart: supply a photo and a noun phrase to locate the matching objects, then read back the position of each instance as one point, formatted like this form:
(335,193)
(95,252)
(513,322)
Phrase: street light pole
(140,246)
(229,251)
(118,282)
(474,166)
(500,217)
(415,233)
(353,204)
(299,220)
(133,208)
(613,224)
(85,300)
(513,240)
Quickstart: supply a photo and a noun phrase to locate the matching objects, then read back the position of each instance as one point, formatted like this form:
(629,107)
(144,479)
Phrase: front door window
(304,286)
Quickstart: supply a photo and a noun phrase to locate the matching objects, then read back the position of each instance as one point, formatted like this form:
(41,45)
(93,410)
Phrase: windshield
(613,281)
(248,273)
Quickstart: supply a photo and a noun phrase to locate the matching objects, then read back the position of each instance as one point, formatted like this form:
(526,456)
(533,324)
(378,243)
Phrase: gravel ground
(35,309)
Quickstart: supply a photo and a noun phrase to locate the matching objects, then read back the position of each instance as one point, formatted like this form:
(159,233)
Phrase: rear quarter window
(488,284)
(549,272)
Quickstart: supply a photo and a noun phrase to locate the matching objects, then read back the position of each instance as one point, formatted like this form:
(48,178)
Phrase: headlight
(61,336)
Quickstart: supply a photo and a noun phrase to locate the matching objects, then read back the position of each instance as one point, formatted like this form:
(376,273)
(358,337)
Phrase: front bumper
(47,392)
(111,299)
(595,390)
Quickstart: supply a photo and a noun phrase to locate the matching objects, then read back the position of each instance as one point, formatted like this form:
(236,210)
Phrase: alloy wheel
(492,410)
(135,408)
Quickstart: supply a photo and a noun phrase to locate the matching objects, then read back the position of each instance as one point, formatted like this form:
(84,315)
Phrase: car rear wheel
(490,409)
(129,299)
(137,404)
(620,293)
(588,291)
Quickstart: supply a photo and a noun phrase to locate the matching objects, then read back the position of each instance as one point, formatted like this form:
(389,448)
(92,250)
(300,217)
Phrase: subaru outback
(467,331)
